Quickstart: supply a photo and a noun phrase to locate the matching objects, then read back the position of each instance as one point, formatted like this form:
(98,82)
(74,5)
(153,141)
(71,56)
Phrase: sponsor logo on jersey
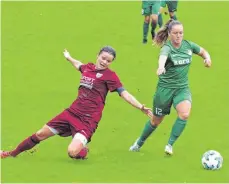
(98,75)
(189,52)
(87,82)
(181,62)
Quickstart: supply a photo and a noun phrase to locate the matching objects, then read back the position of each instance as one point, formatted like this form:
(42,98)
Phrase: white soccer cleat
(168,149)
(135,147)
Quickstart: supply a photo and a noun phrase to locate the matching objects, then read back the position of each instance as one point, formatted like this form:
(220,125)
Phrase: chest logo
(189,52)
(98,75)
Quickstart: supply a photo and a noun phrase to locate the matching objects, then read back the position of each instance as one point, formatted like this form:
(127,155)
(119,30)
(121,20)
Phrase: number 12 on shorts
(158,111)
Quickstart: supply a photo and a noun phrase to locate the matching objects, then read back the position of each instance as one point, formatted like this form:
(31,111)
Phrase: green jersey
(177,64)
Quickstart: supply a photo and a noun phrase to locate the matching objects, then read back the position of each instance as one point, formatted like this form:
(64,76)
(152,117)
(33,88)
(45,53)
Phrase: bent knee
(171,14)
(44,133)
(184,115)
(147,19)
(72,152)
(40,134)
(155,121)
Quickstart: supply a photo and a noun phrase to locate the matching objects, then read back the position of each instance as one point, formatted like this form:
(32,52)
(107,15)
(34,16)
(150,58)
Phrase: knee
(73,151)
(147,19)
(155,121)
(41,134)
(154,18)
(171,14)
(44,133)
(184,115)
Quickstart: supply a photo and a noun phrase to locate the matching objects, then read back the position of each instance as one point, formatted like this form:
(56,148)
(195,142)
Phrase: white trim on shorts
(53,130)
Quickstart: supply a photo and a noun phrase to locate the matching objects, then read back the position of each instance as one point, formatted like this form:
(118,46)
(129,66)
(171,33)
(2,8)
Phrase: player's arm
(134,102)
(164,52)
(201,52)
(161,64)
(206,56)
(73,61)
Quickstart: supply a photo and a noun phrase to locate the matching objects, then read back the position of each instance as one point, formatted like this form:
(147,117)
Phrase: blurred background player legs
(172,8)
(162,9)
(150,9)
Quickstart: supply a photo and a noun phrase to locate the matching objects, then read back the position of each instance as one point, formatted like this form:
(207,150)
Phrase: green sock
(160,20)
(153,27)
(177,129)
(174,17)
(145,30)
(148,129)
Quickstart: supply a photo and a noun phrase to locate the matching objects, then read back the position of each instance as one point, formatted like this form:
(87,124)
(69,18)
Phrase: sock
(153,27)
(160,20)
(147,131)
(145,30)
(174,17)
(27,144)
(177,129)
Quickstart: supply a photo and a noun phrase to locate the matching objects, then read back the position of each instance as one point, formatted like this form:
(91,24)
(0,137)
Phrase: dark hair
(163,34)
(108,49)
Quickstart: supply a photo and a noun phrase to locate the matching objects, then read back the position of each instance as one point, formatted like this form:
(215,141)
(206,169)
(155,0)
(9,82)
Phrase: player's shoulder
(89,64)
(187,42)
(167,46)
(86,66)
(110,73)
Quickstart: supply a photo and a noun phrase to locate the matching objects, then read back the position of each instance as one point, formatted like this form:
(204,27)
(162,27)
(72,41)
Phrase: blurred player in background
(150,9)
(172,89)
(81,119)
(172,8)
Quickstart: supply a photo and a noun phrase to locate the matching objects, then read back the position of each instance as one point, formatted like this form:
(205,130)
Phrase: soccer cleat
(144,41)
(135,147)
(5,154)
(168,149)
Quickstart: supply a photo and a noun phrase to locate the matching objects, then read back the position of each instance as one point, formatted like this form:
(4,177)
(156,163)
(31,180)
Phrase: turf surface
(37,83)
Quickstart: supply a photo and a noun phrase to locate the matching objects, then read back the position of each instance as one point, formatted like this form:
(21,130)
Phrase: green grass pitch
(38,83)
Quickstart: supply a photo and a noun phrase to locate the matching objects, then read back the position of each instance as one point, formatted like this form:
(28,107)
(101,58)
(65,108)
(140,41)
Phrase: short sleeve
(113,83)
(165,50)
(82,68)
(195,47)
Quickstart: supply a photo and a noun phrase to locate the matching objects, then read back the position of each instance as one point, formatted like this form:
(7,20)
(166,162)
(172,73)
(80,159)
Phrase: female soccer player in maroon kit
(81,119)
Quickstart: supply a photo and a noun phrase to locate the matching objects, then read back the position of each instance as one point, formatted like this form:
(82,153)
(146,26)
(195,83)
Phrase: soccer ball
(83,153)
(212,160)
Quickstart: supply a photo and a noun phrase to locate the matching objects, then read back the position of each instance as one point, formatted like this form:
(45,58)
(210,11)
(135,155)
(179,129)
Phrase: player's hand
(66,54)
(147,111)
(207,63)
(160,71)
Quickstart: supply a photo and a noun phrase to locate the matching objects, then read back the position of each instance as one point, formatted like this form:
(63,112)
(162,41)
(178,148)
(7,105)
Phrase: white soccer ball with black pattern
(212,160)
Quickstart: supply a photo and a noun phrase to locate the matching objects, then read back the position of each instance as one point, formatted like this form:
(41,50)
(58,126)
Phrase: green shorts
(164,98)
(150,7)
(172,5)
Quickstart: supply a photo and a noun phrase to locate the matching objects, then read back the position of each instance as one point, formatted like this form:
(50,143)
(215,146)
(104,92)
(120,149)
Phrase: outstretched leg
(149,128)
(29,142)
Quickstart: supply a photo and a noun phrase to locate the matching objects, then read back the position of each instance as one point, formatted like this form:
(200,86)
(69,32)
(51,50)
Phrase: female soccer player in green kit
(172,89)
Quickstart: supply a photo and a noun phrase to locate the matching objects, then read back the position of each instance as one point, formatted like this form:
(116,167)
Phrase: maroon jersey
(94,86)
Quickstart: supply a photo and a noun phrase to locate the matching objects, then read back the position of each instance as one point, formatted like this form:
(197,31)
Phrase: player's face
(176,34)
(104,59)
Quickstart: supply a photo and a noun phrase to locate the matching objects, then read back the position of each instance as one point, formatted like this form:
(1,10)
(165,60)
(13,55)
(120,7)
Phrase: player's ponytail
(163,34)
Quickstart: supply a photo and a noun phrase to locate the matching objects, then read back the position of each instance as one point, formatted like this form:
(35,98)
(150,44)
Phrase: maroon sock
(27,144)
